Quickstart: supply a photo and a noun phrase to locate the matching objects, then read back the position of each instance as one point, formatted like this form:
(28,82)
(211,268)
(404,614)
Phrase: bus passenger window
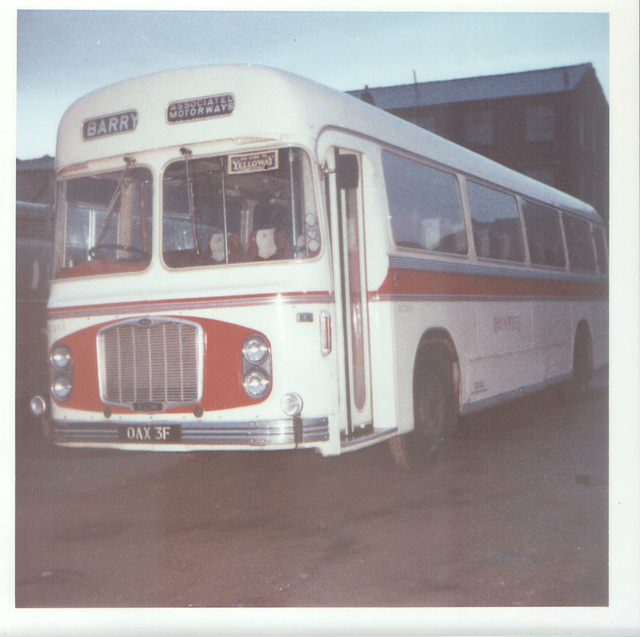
(496,224)
(601,250)
(544,235)
(425,206)
(579,245)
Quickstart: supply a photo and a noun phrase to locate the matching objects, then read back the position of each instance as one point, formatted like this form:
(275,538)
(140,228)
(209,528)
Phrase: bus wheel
(434,414)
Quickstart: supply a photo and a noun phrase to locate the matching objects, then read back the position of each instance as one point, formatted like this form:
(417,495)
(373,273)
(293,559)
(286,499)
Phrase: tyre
(434,413)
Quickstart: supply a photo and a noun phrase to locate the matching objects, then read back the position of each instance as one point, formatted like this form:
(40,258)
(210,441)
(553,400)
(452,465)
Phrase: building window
(478,128)
(581,126)
(594,136)
(539,123)
(545,174)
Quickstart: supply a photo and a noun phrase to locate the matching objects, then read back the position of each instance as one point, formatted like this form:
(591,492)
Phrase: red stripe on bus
(401,282)
(398,282)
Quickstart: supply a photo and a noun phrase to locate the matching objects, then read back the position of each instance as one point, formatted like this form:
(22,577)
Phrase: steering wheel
(93,251)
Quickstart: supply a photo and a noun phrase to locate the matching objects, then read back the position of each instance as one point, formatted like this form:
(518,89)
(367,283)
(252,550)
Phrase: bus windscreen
(239,208)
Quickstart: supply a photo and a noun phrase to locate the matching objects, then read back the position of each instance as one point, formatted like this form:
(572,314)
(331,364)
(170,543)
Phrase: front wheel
(434,414)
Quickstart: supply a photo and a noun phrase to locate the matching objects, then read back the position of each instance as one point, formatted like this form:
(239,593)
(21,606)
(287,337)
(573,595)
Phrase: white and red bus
(245,259)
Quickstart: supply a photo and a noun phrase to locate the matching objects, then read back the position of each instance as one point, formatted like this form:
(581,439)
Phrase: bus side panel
(552,337)
(411,321)
(383,368)
(506,359)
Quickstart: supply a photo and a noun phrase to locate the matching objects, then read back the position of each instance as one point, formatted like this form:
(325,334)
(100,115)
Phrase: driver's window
(105,217)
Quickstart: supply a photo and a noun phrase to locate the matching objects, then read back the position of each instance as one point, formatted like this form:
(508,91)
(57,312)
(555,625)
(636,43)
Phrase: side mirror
(347,172)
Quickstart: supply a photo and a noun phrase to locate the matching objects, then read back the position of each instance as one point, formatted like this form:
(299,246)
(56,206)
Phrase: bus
(245,259)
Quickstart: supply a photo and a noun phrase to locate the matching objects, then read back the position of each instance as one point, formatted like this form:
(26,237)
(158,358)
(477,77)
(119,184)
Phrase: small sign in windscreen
(253,162)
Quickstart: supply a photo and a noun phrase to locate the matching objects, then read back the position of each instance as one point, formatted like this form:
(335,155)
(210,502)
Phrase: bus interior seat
(216,245)
(265,243)
(270,244)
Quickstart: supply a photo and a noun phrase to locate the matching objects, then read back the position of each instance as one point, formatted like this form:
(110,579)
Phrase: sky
(64,54)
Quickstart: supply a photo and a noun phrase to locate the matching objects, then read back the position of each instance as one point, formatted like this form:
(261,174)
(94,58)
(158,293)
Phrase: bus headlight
(60,357)
(61,388)
(255,349)
(256,383)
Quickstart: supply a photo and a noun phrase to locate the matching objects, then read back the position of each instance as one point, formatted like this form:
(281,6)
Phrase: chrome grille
(150,361)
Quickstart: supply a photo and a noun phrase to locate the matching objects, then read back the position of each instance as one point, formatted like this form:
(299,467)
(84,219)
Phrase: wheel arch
(583,331)
(438,341)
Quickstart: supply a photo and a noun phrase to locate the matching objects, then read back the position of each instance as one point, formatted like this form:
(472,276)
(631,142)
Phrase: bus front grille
(150,364)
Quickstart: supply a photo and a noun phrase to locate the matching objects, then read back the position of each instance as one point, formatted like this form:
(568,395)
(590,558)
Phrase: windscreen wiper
(130,161)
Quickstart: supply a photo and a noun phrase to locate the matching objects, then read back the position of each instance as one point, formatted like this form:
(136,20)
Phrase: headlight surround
(61,372)
(61,387)
(256,366)
(60,357)
(256,383)
(255,349)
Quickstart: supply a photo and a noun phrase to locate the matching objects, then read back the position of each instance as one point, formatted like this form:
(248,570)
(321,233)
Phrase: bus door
(352,317)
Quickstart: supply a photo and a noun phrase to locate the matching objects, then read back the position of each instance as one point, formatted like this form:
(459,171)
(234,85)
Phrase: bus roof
(250,101)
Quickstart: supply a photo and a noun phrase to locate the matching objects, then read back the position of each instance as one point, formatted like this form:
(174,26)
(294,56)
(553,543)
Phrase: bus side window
(579,244)
(544,235)
(496,225)
(601,249)
(425,206)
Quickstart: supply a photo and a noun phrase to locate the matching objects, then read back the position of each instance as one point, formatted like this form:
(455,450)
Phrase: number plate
(150,433)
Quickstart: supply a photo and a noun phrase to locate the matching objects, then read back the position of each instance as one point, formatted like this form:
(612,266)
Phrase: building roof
(539,82)
(41,163)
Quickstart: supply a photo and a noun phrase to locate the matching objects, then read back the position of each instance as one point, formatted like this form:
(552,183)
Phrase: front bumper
(283,433)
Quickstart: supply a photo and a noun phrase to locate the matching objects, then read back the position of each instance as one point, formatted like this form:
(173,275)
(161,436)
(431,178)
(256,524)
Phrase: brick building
(550,124)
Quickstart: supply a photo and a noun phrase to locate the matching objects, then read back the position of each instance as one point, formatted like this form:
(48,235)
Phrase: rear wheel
(434,413)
